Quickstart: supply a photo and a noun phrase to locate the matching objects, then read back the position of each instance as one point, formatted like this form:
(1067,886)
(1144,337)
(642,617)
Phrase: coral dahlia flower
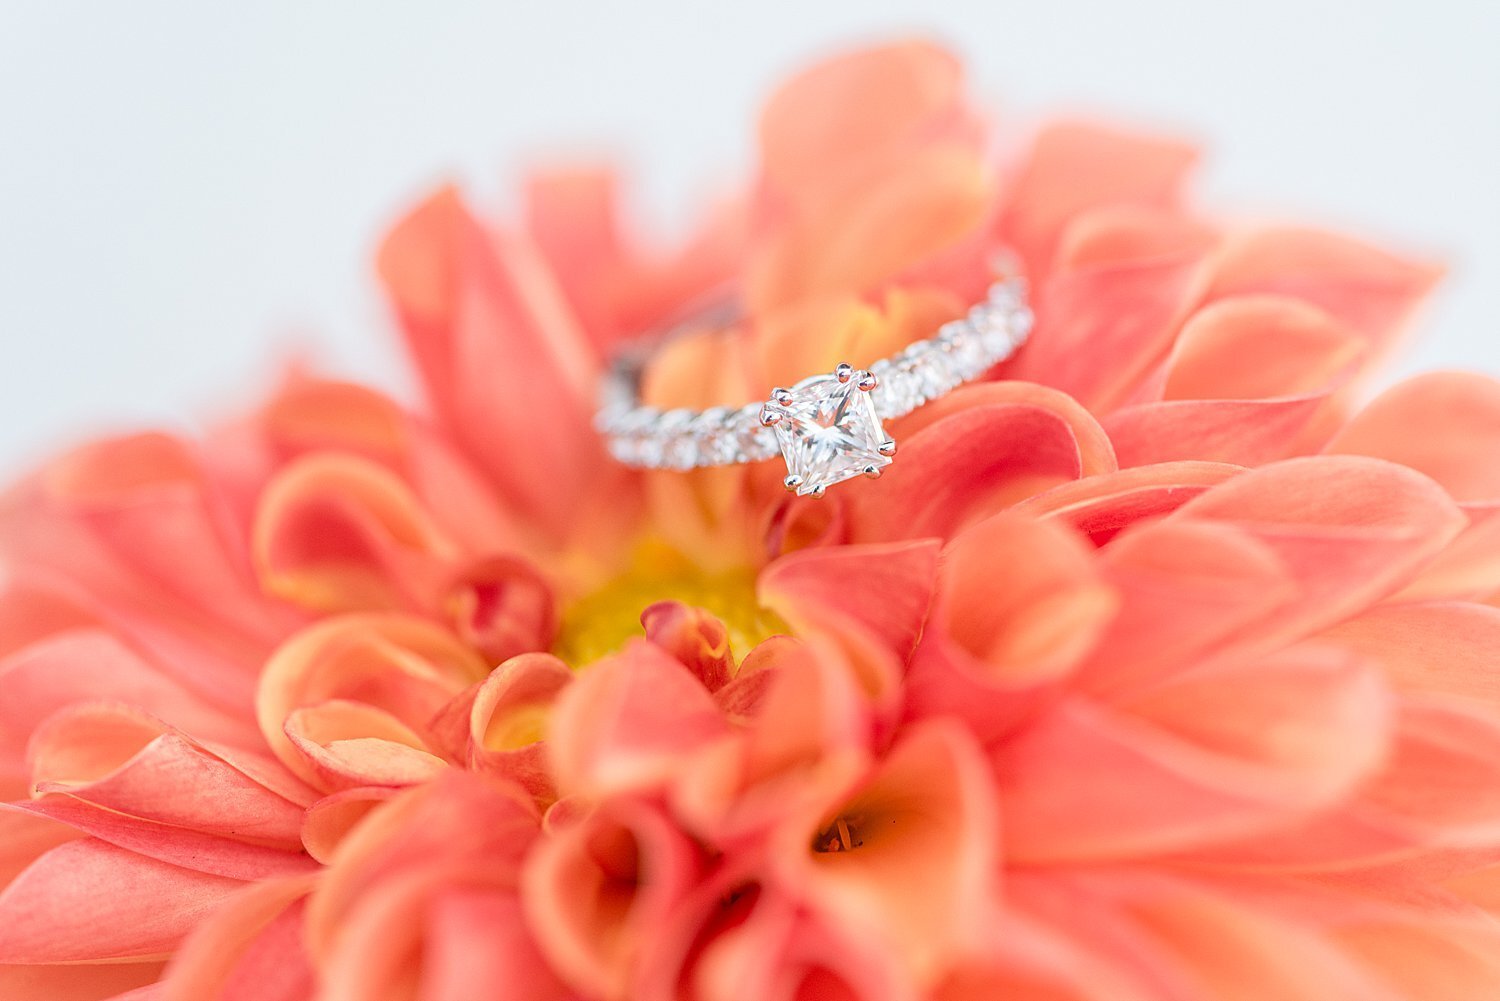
(1162,666)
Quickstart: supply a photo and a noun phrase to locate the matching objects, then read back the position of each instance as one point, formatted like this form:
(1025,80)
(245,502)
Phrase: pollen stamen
(840,836)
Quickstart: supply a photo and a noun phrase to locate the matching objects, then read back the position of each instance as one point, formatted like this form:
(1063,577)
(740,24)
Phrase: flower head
(1155,668)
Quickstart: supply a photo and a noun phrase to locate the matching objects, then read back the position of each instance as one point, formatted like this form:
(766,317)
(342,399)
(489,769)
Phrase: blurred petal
(595,892)
(628,722)
(502,607)
(80,981)
(1184,591)
(248,950)
(336,533)
(509,718)
(87,901)
(1298,350)
(995,640)
(1433,648)
(1075,167)
(91,665)
(871,600)
(496,344)
(970,463)
(1103,326)
(1348,530)
(1101,506)
(403,667)
(866,105)
(911,852)
(1207,758)
(1366,289)
(695,637)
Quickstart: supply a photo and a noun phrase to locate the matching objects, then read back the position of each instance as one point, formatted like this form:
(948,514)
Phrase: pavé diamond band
(828,427)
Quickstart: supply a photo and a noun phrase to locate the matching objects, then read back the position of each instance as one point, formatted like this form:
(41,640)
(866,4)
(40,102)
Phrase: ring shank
(961,351)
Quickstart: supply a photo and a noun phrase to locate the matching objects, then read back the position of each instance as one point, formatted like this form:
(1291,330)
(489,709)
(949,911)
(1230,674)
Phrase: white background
(189,192)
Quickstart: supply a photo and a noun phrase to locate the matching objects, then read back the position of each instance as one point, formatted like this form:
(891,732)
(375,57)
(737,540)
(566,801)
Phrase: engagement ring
(827,428)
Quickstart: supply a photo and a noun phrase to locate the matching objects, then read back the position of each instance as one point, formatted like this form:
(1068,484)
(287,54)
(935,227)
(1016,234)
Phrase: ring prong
(844,372)
(867,381)
(769,417)
(780,395)
(792,482)
(816,492)
(873,472)
(887,447)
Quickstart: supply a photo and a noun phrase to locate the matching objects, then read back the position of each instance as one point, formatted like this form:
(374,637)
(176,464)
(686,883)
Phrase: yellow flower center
(601,621)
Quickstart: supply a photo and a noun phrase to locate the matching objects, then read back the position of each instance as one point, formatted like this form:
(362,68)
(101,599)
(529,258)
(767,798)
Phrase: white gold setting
(828,428)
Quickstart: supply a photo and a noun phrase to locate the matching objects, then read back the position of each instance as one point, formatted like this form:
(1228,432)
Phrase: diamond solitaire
(828,428)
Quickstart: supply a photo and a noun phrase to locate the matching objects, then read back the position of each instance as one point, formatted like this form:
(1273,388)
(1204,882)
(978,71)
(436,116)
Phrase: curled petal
(349,745)
(338,533)
(1101,506)
(317,415)
(130,766)
(406,667)
(911,855)
(509,718)
(872,600)
(756,942)
(457,828)
(330,820)
(1298,350)
(995,639)
(628,722)
(969,464)
(1096,454)
(596,891)
(441,930)
(503,607)
(809,739)
(695,637)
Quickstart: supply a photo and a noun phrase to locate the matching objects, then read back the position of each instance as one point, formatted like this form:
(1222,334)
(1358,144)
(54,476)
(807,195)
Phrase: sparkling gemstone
(898,393)
(828,432)
(752,441)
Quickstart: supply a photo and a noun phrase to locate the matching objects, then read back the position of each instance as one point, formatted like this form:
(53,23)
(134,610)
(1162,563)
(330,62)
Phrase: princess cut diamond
(828,430)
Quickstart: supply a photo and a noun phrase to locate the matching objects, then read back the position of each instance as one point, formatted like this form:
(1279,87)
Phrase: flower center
(601,621)
(842,835)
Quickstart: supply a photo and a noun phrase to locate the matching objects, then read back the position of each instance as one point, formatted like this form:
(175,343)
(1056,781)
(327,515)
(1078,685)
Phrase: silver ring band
(826,427)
